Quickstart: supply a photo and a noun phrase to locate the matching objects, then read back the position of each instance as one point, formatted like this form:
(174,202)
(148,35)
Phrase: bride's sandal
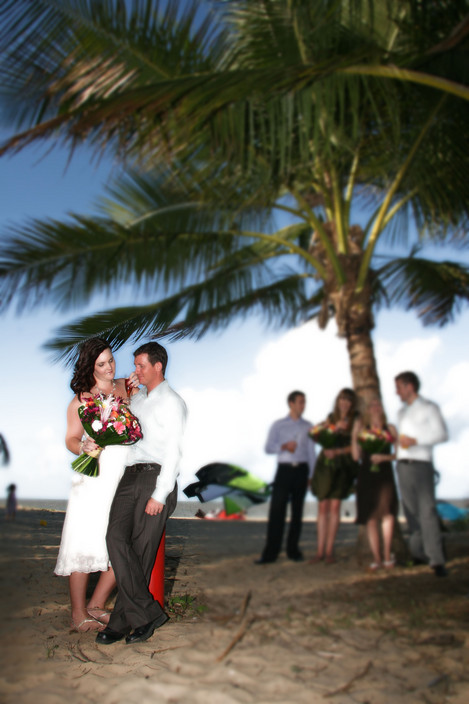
(99,614)
(78,627)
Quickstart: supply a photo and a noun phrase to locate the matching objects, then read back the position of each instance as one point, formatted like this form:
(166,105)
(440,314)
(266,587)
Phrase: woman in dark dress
(372,441)
(334,473)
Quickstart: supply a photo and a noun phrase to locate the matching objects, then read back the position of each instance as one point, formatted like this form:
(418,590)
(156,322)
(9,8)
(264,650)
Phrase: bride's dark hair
(83,376)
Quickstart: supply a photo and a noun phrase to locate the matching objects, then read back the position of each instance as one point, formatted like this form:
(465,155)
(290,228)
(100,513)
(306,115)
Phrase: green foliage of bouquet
(375,442)
(326,435)
(108,421)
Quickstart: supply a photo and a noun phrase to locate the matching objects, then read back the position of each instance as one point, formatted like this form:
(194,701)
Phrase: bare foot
(314,560)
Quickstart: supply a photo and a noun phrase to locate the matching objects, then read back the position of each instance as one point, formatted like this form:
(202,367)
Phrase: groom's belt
(143,467)
(292,464)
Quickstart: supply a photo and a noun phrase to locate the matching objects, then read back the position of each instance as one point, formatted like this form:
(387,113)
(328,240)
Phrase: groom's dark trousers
(133,537)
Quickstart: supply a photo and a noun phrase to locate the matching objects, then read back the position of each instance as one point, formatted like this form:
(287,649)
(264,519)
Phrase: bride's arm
(74,434)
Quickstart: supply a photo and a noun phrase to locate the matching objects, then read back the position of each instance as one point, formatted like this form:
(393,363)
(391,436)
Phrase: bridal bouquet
(108,421)
(375,442)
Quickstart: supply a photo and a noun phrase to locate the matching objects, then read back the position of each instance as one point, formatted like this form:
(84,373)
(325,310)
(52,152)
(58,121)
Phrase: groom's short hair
(409,378)
(156,353)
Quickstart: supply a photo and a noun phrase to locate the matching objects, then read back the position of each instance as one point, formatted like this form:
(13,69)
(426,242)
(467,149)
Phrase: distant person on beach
(145,498)
(376,495)
(335,473)
(83,544)
(420,427)
(12,503)
(288,439)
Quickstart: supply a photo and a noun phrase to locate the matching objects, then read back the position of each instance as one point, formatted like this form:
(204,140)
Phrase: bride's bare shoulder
(120,388)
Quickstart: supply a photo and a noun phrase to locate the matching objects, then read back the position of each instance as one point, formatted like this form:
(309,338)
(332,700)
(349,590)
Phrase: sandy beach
(240,633)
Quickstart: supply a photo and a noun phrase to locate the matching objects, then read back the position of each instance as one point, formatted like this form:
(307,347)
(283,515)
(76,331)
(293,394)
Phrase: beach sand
(239,633)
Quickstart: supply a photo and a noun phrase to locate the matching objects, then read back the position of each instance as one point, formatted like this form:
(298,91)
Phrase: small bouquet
(108,421)
(324,434)
(375,442)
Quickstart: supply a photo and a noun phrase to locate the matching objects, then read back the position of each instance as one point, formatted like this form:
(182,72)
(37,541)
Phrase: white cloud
(231,424)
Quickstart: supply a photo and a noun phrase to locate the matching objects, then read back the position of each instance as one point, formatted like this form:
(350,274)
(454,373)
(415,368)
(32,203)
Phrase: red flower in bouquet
(375,441)
(108,421)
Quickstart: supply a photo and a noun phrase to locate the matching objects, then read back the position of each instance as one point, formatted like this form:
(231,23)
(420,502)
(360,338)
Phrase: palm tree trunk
(363,364)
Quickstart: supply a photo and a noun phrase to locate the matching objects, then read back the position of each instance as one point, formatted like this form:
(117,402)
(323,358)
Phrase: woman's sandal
(330,560)
(389,564)
(374,566)
(99,614)
(78,627)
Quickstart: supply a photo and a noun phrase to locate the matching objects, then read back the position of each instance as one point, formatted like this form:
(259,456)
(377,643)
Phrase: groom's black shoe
(108,636)
(440,571)
(145,632)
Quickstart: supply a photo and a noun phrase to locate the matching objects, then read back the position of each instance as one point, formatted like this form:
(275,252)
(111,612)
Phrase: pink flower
(119,427)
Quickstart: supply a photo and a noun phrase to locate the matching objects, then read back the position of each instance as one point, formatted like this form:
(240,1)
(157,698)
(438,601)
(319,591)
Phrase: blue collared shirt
(287,429)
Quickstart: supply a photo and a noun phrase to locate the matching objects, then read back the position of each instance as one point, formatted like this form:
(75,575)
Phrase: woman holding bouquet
(335,471)
(372,440)
(83,544)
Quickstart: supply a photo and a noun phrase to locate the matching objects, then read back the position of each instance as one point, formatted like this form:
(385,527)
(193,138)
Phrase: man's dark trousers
(132,539)
(290,484)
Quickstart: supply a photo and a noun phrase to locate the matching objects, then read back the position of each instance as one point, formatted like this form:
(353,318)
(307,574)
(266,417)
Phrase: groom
(145,498)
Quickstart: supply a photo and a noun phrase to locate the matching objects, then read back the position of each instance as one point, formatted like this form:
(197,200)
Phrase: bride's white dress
(83,543)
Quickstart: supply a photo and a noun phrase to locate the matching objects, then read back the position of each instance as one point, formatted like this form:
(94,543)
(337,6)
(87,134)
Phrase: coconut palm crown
(277,157)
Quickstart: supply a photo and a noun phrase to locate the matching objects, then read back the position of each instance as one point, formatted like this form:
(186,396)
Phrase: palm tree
(289,107)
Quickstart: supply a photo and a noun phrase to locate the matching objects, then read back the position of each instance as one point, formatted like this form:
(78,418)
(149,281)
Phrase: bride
(83,544)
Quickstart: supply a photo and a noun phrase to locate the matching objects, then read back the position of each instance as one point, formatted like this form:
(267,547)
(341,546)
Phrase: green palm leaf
(300,108)
(191,313)
(436,290)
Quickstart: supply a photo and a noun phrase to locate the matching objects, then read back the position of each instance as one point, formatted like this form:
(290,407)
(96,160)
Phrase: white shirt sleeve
(431,429)
(175,413)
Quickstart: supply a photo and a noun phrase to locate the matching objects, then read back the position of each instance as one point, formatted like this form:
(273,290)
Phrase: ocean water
(188,508)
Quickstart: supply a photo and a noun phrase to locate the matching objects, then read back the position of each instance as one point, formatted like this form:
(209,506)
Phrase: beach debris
(240,634)
(50,649)
(442,682)
(245,605)
(238,488)
(345,687)
(245,625)
(444,640)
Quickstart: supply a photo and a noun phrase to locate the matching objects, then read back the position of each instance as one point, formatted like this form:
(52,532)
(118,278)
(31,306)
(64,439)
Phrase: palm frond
(147,78)
(190,313)
(435,290)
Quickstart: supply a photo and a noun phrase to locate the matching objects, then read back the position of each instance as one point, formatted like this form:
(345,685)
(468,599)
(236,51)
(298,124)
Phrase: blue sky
(235,382)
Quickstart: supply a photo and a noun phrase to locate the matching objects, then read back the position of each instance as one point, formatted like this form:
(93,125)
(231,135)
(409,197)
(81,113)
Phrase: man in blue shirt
(288,439)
